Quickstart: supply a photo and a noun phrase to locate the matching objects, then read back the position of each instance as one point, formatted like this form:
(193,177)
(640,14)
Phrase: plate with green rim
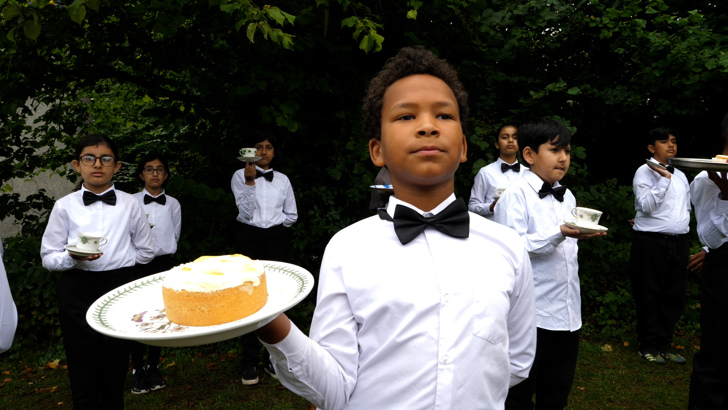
(135,311)
(698,163)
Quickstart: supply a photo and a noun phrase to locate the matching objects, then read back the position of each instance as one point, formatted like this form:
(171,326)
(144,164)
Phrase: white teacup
(90,242)
(586,216)
(498,192)
(248,152)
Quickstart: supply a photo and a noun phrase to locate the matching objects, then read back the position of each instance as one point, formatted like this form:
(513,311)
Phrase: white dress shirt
(439,323)
(488,179)
(662,205)
(124,224)
(8,311)
(167,220)
(553,256)
(711,211)
(265,204)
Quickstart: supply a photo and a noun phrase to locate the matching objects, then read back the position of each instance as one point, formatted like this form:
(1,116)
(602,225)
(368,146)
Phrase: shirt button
(446,297)
(444,359)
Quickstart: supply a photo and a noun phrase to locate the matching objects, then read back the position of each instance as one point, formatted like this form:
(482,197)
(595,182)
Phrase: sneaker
(651,355)
(139,382)
(270,370)
(250,376)
(156,381)
(669,354)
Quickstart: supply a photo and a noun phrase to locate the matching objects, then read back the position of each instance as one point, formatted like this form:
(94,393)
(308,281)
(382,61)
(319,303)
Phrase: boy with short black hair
(536,206)
(709,381)
(660,248)
(408,315)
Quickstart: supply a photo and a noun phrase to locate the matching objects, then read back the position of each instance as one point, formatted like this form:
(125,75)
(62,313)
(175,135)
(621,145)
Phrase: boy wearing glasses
(164,215)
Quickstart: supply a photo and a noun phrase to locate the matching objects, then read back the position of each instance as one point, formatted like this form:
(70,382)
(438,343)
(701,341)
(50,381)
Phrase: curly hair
(409,61)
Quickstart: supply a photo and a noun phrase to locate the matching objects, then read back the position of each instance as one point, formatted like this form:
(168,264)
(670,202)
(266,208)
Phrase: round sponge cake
(213,290)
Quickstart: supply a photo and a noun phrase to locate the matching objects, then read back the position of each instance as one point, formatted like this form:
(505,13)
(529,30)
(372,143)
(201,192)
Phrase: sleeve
(141,234)
(478,195)
(522,323)
(52,252)
(322,369)
(512,211)
(711,212)
(8,312)
(244,195)
(649,192)
(289,207)
(176,219)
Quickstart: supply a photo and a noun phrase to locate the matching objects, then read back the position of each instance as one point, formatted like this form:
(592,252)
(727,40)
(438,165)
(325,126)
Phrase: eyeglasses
(90,160)
(150,171)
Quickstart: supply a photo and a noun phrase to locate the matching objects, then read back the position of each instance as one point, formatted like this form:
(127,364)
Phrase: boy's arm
(522,323)
(289,207)
(649,192)
(710,209)
(323,368)
(52,252)
(244,195)
(478,195)
(176,219)
(141,234)
(512,211)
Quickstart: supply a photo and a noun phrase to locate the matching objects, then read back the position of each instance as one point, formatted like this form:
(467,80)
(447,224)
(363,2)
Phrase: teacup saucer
(80,252)
(383,187)
(249,159)
(588,229)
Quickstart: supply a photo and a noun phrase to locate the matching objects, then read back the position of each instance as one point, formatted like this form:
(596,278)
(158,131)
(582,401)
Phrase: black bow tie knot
(670,169)
(267,175)
(515,167)
(161,200)
(547,189)
(454,221)
(107,198)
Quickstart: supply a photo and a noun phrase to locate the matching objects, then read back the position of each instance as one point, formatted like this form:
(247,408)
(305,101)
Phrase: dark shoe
(156,381)
(139,382)
(270,370)
(652,355)
(669,354)
(250,376)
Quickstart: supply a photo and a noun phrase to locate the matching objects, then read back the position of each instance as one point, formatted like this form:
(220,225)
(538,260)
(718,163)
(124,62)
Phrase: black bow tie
(547,189)
(454,220)
(267,175)
(107,198)
(161,200)
(515,167)
(670,169)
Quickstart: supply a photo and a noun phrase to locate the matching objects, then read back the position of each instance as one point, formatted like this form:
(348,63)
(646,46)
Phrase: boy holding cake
(408,315)
(536,206)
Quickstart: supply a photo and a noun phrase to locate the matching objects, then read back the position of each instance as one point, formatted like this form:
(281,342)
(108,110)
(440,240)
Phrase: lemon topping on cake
(212,273)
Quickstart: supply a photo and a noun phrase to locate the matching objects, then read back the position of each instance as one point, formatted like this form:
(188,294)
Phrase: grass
(208,377)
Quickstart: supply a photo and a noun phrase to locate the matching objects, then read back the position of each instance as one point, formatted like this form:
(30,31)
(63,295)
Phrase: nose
(427,127)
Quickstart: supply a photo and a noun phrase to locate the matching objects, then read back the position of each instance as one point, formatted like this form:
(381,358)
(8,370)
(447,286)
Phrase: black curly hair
(409,61)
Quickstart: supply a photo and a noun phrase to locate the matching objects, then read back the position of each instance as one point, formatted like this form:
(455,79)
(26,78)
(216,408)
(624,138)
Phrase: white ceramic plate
(81,252)
(587,229)
(249,159)
(135,311)
(383,187)
(655,164)
(698,163)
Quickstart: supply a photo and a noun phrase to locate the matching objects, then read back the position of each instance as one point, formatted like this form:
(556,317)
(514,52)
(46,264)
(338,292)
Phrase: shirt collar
(145,192)
(83,188)
(500,161)
(535,181)
(393,202)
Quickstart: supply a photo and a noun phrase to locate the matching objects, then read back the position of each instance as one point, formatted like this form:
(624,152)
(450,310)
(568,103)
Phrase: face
(96,177)
(550,162)
(422,140)
(664,149)
(507,142)
(266,152)
(153,181)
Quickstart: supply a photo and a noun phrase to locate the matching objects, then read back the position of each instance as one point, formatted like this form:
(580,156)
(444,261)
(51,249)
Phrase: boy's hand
(696,261)
(720,180)
(493,204)
(249,174)
(85,258)
(570,232)
(660,170)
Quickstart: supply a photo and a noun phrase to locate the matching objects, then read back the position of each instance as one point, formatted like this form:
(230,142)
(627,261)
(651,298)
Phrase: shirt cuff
(290,350)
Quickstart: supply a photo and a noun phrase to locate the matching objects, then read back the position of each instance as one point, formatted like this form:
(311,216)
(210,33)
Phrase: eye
(88,158)
(406,117)
(105,159)
(445,117)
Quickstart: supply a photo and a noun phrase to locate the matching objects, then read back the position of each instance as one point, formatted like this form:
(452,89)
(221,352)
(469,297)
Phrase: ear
(117,166)
(497,144)
(464,154)
(375,152)
(528,155)
(76,165)
(651,148)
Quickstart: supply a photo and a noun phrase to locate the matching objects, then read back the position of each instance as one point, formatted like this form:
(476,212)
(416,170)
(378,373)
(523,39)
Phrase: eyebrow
(438,104)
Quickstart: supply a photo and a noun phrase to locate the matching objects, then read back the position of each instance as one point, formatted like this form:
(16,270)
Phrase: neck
(509,159)
(662,161)
(551,183)
(154,191)
(97,189)
(424,198)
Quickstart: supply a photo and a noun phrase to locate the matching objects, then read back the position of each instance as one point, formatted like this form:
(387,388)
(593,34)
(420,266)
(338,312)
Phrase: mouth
(428,150)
